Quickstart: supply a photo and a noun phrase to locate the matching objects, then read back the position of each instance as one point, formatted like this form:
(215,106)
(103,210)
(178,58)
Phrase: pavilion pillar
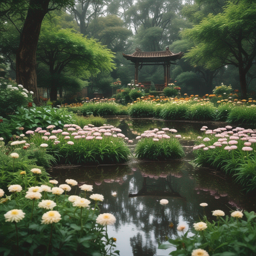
(136,78)
(168,73)
(165,76)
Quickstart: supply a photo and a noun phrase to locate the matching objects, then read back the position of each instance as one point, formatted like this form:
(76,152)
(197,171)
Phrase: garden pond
(141,222)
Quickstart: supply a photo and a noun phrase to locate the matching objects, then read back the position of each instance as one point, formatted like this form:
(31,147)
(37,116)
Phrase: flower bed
(47,220)
(157,145)
(231,150)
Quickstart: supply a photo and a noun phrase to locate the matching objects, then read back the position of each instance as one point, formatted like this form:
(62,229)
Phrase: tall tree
(34,12)
(228,38)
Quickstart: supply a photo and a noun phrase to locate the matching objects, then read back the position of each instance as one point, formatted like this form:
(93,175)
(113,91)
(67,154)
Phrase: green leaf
(75,227)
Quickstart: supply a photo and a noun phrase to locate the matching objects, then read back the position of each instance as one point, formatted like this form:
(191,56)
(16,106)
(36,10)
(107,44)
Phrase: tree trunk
(243,84)
(26,54)
(54,90)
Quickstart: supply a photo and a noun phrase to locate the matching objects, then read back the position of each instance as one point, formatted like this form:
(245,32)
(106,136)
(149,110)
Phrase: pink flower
(247,149)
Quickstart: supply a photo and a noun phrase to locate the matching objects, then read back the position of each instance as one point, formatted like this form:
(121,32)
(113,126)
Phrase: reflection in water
(141,220)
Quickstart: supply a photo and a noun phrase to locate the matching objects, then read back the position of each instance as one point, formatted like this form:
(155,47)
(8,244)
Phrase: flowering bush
(44,220)
(157,145)
(226,236)
(171,91)
(223,90)
(13,96)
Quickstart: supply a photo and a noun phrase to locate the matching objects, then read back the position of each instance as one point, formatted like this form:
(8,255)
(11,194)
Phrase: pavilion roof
(156,56)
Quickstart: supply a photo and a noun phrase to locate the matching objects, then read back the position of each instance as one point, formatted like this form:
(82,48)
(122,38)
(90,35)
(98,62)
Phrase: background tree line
(80,43)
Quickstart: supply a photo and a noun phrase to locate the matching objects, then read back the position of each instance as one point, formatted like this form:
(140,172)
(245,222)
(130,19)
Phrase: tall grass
(95,120)
(201,111)
(142,109)
(109,150)
(164,149)
(223,111)
(242,115)
(174,111)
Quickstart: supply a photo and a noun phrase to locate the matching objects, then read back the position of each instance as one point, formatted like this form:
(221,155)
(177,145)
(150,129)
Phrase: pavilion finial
(167,48)
(138,49)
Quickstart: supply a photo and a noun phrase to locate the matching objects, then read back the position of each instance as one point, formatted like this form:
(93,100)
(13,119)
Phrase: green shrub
(164,149)
(74,231)
(174,111)
(13,96)
(223,90)
(157,110)
(170,92)
(134,94)
(97,109)
(222,112)
(95,120)
(201,111)
(109,150)
(243,115)
(123,110)
(141,109)
(227,236)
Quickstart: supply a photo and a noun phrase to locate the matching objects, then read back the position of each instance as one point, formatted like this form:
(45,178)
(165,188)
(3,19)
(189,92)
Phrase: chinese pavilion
(165,58)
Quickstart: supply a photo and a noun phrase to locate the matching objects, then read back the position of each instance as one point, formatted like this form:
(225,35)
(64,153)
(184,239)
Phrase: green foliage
(97,109)
(95,120)
(30,118)
(223,111)
(134,94)
(12,97)
(224,237)
(174,111)
(141,109)
(76,232)
(243,115)
(223,90)
(201,111)
(241,165)
(170,92)
(164,149)
(29,157)
(108,150)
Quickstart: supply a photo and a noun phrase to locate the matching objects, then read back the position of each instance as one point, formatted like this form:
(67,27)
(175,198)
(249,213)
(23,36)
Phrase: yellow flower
(23,173)
(237,214)
(200,226)
(199,252)
(51,217)
(106,219)
(14,215)
(114,239)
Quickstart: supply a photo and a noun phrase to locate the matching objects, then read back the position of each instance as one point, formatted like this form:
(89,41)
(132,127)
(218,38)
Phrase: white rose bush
(43,220)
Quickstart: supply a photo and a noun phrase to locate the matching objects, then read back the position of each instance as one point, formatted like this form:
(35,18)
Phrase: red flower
(30,104)
(1,120)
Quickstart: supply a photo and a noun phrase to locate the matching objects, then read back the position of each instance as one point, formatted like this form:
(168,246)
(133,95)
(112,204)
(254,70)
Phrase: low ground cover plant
(94,120)
(226,236)
(230,150)
(157,145)
(141,110)
(243,115)
(75,145)
(51,220)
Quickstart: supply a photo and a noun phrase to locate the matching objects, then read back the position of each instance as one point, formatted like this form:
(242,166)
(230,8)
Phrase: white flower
(15,188)
(53,181)
(35,189)
(164,201)
(36,171)
(70,143)
(114,194)
(33,195)
(1,138)
(14,155)
(97,197)
(47,204)
(72,199)
(199,252)
(237,214)
(71,182)
(25,90)
(65,187)
(200,226)
(81,202)
(51,217)
(24,94)
(86,187)
(57,191)
(106,219)
(45,188)
(14,215)
(203,204)
(218,213)
(1,193)
(31,92)
(9,86)
(44,145)
(20,85)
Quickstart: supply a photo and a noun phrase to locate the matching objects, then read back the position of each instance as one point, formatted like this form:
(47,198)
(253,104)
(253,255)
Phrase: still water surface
(141,221)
